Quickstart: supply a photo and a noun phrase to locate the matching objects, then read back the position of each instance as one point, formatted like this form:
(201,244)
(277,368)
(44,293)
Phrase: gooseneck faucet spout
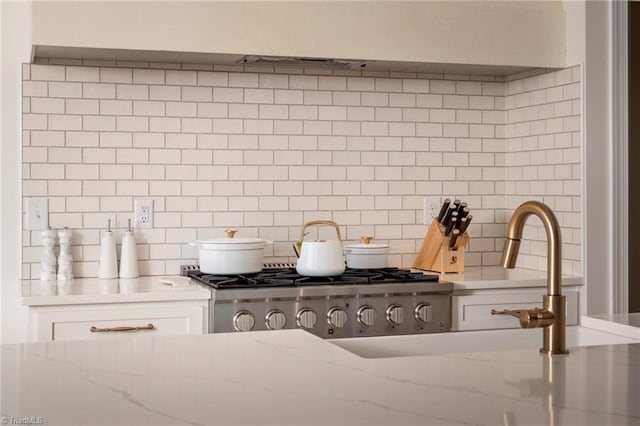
(552,316)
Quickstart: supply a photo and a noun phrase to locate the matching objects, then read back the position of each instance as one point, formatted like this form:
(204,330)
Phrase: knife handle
(454,238)
(463,212)
(450,225)
(464,223)
(447,215)
(443,210)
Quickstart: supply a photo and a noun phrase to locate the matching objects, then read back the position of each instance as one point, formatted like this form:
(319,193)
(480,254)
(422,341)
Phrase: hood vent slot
(287,61)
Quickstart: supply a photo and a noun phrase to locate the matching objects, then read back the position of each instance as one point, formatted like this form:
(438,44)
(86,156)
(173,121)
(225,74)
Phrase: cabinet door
(92,322)
(473,312)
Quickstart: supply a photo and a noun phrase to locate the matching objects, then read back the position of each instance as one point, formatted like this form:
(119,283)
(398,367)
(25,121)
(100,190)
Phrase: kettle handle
(297,246)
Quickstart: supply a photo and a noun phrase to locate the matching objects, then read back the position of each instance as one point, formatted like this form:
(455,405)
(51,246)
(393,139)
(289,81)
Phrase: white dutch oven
(320,258)
(367,255)
(222,256)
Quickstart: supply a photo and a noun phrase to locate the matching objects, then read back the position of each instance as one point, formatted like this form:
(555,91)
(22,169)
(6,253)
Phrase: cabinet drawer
(104,329)
(138,319)
(473,312)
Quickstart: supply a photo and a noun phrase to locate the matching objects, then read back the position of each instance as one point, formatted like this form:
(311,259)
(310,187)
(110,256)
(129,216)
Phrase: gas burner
(288,277)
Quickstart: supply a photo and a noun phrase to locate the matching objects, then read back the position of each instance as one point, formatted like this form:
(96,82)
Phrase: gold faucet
(552,316)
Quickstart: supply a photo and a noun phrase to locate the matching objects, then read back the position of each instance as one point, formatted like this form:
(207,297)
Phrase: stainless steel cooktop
(378,302)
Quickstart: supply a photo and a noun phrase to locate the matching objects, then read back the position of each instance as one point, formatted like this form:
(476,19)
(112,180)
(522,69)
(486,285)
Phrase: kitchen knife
(447,215)
(450,225)
(463,212)
(464,223)
(461,207)
(443,209)
(456,203)
(454,238)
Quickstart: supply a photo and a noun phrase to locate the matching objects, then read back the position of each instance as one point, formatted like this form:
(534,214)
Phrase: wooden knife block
(435,254)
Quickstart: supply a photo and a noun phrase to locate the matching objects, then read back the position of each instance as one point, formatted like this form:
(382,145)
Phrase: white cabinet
(105,321)
(473,311)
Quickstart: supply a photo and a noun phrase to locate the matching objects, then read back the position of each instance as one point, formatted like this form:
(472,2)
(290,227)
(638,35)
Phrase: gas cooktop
(288,277)
(358,303)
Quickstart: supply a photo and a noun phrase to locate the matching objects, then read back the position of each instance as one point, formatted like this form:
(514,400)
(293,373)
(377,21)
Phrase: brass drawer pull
(95,329)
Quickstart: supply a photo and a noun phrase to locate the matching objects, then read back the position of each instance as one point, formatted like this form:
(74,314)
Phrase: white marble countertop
(496,277)
(149,289)
(95,290)
(627,325)
(292,377)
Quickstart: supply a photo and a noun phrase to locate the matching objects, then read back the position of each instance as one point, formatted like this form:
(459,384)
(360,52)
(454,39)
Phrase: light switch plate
(37,213)
(431,209)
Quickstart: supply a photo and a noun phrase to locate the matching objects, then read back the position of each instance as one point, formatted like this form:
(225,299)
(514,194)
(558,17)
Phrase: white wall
(522,33)
(15,30)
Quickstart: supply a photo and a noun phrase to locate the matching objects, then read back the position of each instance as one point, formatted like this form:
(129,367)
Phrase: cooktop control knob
(395,314)
(275,319)
(306,318)
(337,317)
(366,315)
(243,321)
(423,313)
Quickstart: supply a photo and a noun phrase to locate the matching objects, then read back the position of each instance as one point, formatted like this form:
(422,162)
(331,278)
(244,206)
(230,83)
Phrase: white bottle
(128,255)
(48,262)
(108,259)
(65,260)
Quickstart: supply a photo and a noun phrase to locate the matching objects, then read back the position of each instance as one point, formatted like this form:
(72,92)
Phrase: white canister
(367,255)
(128,255)
(108,268)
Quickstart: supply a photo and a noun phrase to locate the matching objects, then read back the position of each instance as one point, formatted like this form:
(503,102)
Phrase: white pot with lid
(231,256)
(367,255)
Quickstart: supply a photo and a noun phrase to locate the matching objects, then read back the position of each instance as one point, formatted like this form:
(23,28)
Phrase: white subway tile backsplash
(317,97)
(308,82)
(413,85)
(207,78)
(65,90)
(47,105)
(148,76)
(288,97)
(115,75)
(262,150)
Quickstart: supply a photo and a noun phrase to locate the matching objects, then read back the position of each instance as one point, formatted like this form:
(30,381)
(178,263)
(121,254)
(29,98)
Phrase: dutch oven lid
(366,244)
(231,240)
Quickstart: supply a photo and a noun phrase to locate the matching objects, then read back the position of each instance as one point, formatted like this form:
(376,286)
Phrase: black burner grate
(288,277)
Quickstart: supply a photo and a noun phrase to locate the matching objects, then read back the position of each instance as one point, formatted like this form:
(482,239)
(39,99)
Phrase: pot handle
(297,246)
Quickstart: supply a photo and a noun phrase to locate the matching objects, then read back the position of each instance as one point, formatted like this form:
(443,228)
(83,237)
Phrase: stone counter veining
(292,377)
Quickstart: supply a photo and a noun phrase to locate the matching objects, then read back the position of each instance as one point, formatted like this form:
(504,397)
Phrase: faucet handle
(529,318)
(513,313)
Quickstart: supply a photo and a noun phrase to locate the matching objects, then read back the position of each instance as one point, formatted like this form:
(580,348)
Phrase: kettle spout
(297,248)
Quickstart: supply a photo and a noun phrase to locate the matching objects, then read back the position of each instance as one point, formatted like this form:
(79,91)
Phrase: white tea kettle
(319,258)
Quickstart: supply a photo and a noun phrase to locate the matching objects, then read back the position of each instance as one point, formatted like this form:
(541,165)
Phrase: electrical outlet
(431,209)
(143,213)
(37,213)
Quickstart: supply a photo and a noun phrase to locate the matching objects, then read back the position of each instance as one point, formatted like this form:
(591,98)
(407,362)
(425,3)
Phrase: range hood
(498,37)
